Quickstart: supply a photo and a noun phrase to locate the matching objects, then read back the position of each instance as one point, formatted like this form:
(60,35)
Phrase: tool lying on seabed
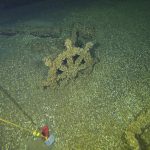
(48,138)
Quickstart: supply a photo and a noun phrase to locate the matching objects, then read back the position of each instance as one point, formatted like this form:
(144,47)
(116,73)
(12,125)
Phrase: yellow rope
(35,133)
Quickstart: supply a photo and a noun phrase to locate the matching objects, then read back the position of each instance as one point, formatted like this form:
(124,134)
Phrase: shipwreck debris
(68,64)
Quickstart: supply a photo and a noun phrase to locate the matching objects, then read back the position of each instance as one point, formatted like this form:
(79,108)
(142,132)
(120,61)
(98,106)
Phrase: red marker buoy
(49,138)
(45,131)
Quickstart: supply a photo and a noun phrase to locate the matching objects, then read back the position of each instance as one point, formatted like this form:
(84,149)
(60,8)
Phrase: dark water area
(105,107)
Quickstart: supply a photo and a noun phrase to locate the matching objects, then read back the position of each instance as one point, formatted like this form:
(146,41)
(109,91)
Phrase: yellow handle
(36,133)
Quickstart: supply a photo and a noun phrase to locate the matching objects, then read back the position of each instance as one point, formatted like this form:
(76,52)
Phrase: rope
(34,132)
(15,103)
